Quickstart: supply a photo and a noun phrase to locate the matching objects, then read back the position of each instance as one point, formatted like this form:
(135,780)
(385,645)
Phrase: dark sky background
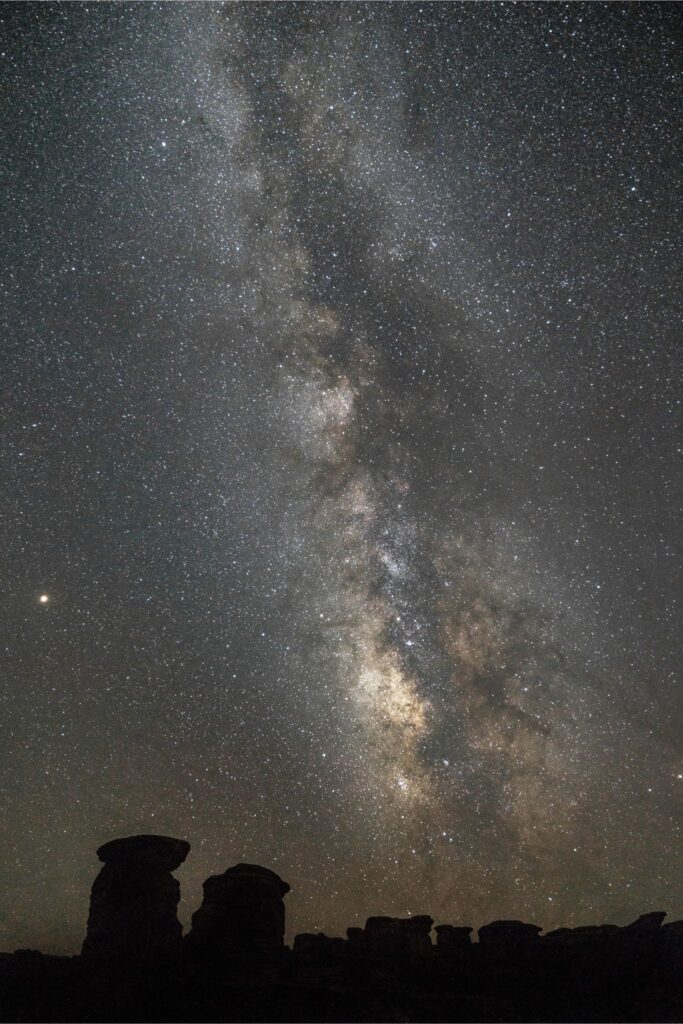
(339,510)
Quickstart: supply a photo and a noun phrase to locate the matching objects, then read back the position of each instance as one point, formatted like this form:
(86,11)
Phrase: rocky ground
(512,974)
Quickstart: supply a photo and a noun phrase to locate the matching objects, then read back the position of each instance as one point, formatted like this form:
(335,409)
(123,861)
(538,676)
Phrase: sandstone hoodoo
(242,914)
(234,966)
(134,899)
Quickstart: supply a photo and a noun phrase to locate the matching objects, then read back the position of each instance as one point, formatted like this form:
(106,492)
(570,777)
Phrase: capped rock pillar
(134,899)
(242,914)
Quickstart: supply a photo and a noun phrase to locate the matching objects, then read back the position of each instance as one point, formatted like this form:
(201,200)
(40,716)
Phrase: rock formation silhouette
(134,899)
(398,936)
(508,933)
(451,938)
(242,914)
(234,965)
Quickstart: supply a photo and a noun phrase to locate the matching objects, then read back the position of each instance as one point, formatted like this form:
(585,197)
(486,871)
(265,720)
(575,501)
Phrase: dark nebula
(339,505)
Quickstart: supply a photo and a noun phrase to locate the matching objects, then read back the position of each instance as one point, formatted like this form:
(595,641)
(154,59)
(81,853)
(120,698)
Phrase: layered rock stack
(506,934)
(452,939)
(134,900)
(242,914)
(318,946)
(586,934)
(398,936)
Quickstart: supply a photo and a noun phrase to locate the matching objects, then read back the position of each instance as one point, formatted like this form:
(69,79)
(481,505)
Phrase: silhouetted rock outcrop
(134,899)
(451,938)
(582,934)
(647,922)
(233,965)
(318,946)
(508,933)
(242,914)
(392,936)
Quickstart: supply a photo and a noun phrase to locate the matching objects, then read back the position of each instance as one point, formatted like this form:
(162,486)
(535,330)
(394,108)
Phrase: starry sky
(339,505)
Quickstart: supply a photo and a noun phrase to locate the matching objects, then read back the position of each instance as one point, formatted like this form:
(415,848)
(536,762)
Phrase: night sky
(338,506)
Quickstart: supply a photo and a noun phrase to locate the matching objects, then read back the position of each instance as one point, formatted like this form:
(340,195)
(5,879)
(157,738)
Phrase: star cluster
(339,505)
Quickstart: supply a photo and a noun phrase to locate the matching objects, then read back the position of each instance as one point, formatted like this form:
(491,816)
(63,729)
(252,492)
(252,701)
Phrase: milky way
(339,504)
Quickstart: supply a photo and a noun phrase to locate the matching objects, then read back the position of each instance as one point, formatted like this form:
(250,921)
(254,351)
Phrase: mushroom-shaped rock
(242,913)
(449,937)
(134,899)
(508,933)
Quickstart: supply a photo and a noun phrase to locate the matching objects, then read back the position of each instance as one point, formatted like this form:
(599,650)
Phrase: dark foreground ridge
(233,965)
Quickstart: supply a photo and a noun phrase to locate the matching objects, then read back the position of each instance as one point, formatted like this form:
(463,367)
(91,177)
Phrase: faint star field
(341,408)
